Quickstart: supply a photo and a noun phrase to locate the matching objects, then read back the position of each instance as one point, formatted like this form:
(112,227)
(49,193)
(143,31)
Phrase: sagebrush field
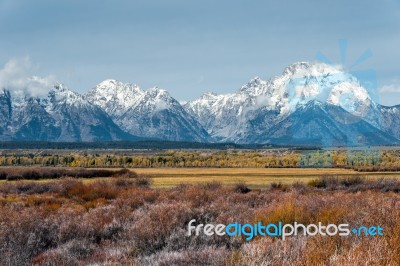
(123,220)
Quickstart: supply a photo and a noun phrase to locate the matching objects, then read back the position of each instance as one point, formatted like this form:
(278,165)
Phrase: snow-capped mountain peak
(115,85)
(62,115)
(253,83)
(60,94)
(227,116)
(157,92)
(309,103)
(310,69)
(151,113)
(317,81)
(156,99)
(114,96)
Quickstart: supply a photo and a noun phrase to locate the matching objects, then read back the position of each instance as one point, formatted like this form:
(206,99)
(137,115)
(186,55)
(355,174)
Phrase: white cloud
(390,88)
(17,77)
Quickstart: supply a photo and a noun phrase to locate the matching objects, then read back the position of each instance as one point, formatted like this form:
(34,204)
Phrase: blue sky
(191,47)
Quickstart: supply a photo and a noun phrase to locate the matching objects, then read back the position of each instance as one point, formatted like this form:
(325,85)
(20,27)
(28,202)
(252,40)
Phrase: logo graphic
(365,77)
(249,231)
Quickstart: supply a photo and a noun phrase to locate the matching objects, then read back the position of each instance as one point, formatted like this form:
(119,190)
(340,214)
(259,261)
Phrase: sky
(192,47)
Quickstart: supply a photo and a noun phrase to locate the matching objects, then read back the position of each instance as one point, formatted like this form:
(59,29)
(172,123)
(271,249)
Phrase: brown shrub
(122,182)
(91,192)
(125,173)
(202,256)
(288,211)
(214,185)
(241,187)
(27,173)
(143,181)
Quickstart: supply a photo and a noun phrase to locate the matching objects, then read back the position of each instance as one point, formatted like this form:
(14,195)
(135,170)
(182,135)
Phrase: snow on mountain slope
(114,97)
(310,103)
(63,115)
(324,124)
(386,118)
(233,117)
(152,113)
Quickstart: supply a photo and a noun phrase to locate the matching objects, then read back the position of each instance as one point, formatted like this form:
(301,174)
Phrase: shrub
(267,251)
(275,185)
(24,235)
(54,257)
(299,187)
(143,181)
(212,185)
(14,177)
(279,186)
(3,175)
(122,182)
(79,249)
(202,256)
(352,180)
(325,181)
(125,173)
(287,211)
(31,175)
(55,173)
(154,225)
(387,184)
(27,187)
(241,187)
(91,192)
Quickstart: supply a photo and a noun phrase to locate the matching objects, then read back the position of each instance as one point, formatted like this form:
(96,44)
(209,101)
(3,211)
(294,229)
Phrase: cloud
(17,77)
(390,88)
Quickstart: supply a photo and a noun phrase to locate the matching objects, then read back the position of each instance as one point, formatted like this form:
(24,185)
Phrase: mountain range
(308,104)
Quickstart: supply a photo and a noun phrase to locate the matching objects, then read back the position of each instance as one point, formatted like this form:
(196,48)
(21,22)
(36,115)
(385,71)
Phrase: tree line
(358,160)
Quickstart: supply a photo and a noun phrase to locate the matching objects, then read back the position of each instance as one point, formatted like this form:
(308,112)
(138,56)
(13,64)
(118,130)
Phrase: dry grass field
(253,177)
